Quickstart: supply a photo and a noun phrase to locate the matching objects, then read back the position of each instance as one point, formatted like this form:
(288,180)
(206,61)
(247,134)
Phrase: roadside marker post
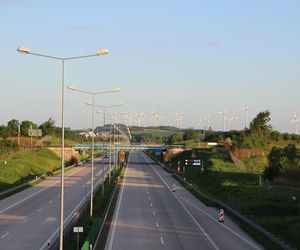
(77,230)
(173,187)
(48,244)
(221,215)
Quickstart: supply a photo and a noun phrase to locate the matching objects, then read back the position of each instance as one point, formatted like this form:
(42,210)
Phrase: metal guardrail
(104,217)
(275,239)
(73,217)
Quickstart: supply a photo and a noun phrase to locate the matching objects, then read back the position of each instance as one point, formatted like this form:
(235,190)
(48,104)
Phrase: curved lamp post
(62,60)
(93,137)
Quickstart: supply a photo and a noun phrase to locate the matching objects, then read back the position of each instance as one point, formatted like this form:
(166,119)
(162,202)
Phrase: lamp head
(70,87)
(23,50)
(102,52)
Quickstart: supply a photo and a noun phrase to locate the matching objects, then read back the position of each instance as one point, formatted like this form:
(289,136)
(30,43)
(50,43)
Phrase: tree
(48,127)
(260,124)
(25,125)
(291,154)
(173,139)
(281,160)
(4,132)
(13,126)
(190,134)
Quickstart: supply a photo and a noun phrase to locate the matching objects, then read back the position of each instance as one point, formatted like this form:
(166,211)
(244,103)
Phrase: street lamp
(104,107)
(114,119)
(93,139)
(62,60)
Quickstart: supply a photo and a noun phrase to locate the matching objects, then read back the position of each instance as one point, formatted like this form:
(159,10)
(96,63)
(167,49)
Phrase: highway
(30,218)
(149,215)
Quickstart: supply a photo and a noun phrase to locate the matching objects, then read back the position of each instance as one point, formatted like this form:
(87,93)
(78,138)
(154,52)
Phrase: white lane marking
(68,218)
(113,231)
(150,204)
(221,224)
(187,211)
(161,240)
(156,224)
(43,189)
(153,213)
(50,201)
(5,235)
(39,210)
(25,220)
(149,198)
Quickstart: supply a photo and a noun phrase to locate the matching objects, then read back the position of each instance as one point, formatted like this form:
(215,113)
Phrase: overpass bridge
(120,147)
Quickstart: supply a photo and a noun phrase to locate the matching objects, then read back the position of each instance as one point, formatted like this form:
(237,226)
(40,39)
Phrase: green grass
(273,208)
(26,165)
(55,141)
(157,132)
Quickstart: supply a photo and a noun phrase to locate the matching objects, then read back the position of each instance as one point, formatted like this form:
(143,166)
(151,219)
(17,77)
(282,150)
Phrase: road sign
(35,132)
(193,162)
(122,156)
(77,229)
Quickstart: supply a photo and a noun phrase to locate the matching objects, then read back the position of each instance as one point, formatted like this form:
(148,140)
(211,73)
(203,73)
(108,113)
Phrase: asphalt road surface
(30,218)
(149,215)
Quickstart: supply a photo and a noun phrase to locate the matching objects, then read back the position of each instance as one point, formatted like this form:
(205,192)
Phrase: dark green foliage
(25,125)
(257,135)
(48,127)
(173,139)
(4,131)
(190,134)
(13,126)
(260,124)
(281,160)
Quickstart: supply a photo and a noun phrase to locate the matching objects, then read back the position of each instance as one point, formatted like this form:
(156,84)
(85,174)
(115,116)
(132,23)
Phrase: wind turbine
(234,117)
(223,113)
(140,118)
(296,120)
(179,118)
(246,110)
(228,122)
(208,121)
(129,119)
(202,125)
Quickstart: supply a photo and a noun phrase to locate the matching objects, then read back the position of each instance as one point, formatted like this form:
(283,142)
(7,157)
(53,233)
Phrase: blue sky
(198,57)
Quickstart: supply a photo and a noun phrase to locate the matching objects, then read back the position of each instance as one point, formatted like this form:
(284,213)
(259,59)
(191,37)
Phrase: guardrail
(104,217)
(73,217)
(273,238)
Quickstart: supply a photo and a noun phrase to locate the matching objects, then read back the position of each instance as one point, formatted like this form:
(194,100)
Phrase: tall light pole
(113,121)
(62,60)
(93,133)
(104,107)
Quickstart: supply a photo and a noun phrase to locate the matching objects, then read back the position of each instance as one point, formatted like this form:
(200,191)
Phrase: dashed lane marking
(161,240)
(5,235)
